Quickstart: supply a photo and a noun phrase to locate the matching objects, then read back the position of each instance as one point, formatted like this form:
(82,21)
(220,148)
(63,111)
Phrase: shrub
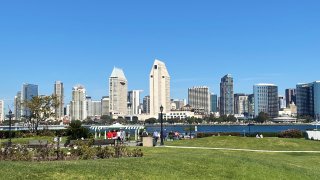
(291,133)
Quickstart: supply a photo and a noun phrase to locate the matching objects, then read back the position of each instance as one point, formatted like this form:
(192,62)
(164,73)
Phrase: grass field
(165,163)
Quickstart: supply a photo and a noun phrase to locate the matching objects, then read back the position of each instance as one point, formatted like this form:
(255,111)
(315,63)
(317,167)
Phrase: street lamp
(161,121)
(10,135)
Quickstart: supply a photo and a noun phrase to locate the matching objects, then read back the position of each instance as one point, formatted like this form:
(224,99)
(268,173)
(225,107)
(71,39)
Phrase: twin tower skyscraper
(159,81)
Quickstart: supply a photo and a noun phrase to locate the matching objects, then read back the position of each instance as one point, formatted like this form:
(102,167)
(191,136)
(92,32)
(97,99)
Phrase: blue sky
(79,42)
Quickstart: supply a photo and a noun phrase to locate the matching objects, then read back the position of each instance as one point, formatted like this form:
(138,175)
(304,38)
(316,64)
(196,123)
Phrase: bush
(291,133)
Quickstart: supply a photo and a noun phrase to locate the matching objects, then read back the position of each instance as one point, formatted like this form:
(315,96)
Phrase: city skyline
(278,45)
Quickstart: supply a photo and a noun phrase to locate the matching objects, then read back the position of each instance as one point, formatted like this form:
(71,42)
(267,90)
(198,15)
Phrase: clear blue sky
(271,41)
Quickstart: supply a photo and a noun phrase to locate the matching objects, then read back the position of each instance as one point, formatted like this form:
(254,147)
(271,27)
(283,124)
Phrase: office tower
(2,110)
(105,102)
(146,104)
(266,99)
(241,106)
(282,102)
(78,109)
(251,105)
(199,99)
(28,91)
(178,104)
(89,106)
(214,103)
(67,112)
(226,95)
(96,108)
(134,102)
(290,97)
(308,99)
(59,93)
(118,90)
(17,106)
(159,88)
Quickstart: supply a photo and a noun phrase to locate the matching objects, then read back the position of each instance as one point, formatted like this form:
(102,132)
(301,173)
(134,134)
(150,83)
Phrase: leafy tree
(262,117)
(76,131)
(151,121)
(41,109)
(231,118)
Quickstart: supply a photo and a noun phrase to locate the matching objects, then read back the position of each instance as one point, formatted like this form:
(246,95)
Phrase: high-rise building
(241,106)
(177,104)
(28,91)
(59,93)
(134,102)
(17,106)
(118,91)
(105,102)
(226,95)
(159,88)
(199,99)
(89,106)
(146,104)
(78,109)
(96,108)
(2,111)
(266,99)
(308,99)
(214,103)
(290,97)
(282,102)
(251,105)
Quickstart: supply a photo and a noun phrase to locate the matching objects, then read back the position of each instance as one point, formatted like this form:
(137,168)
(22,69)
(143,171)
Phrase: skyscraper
(96,108)
(308,99)
(159,88)
(266,99)
(89,106)
(251,105)
(118,91)
(59,93)
(282,102)
(226,95)
(146,104)
(28,91)
(78,109)
(17,106)
(241,106)
(214,103)
(105,102)
(290,97)
(2,110)
(199,99)
(134,102)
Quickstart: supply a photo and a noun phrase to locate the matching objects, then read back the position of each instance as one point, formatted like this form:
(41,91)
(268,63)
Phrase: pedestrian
(155,137)
(122,136)
(109,135)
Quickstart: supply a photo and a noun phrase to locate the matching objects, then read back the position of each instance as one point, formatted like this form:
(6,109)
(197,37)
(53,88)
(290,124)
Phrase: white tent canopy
(117,126)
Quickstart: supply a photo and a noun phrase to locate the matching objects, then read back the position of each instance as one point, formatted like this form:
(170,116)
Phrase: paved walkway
(231,149)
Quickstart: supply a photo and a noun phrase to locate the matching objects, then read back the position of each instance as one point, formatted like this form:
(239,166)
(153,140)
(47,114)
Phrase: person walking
(155,138)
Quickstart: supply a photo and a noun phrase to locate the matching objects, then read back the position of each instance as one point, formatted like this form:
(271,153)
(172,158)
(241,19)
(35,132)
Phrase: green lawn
(277,144)
(165,163)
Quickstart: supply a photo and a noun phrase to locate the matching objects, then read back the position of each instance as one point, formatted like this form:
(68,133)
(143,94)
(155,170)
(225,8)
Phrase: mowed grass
(277,144)
(166,163)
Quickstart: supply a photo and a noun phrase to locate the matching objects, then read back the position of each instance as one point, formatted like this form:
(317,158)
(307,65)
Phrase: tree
(231,118)
(76,131)
(41,108)
(262,117)
(151,121)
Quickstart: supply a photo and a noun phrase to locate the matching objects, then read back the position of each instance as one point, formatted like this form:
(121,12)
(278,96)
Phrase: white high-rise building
(134,102)
(59,93)
(96,108)
(159,88)
(89,106)
(199,99)
(1,110)
(105,102)
(118,91)
(78,110)
(17,106)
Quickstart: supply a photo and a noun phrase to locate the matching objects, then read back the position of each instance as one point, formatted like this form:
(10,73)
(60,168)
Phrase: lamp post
(161,122)
(10,135)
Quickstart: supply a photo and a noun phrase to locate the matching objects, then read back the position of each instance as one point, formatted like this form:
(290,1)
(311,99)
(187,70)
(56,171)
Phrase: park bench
(37,143)
(105,142)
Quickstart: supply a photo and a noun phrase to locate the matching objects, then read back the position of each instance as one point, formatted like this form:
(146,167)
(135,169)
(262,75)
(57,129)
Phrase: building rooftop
(118,73)
(265,84)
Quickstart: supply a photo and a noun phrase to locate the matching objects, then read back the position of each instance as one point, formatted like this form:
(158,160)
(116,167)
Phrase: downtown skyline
(278,45)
